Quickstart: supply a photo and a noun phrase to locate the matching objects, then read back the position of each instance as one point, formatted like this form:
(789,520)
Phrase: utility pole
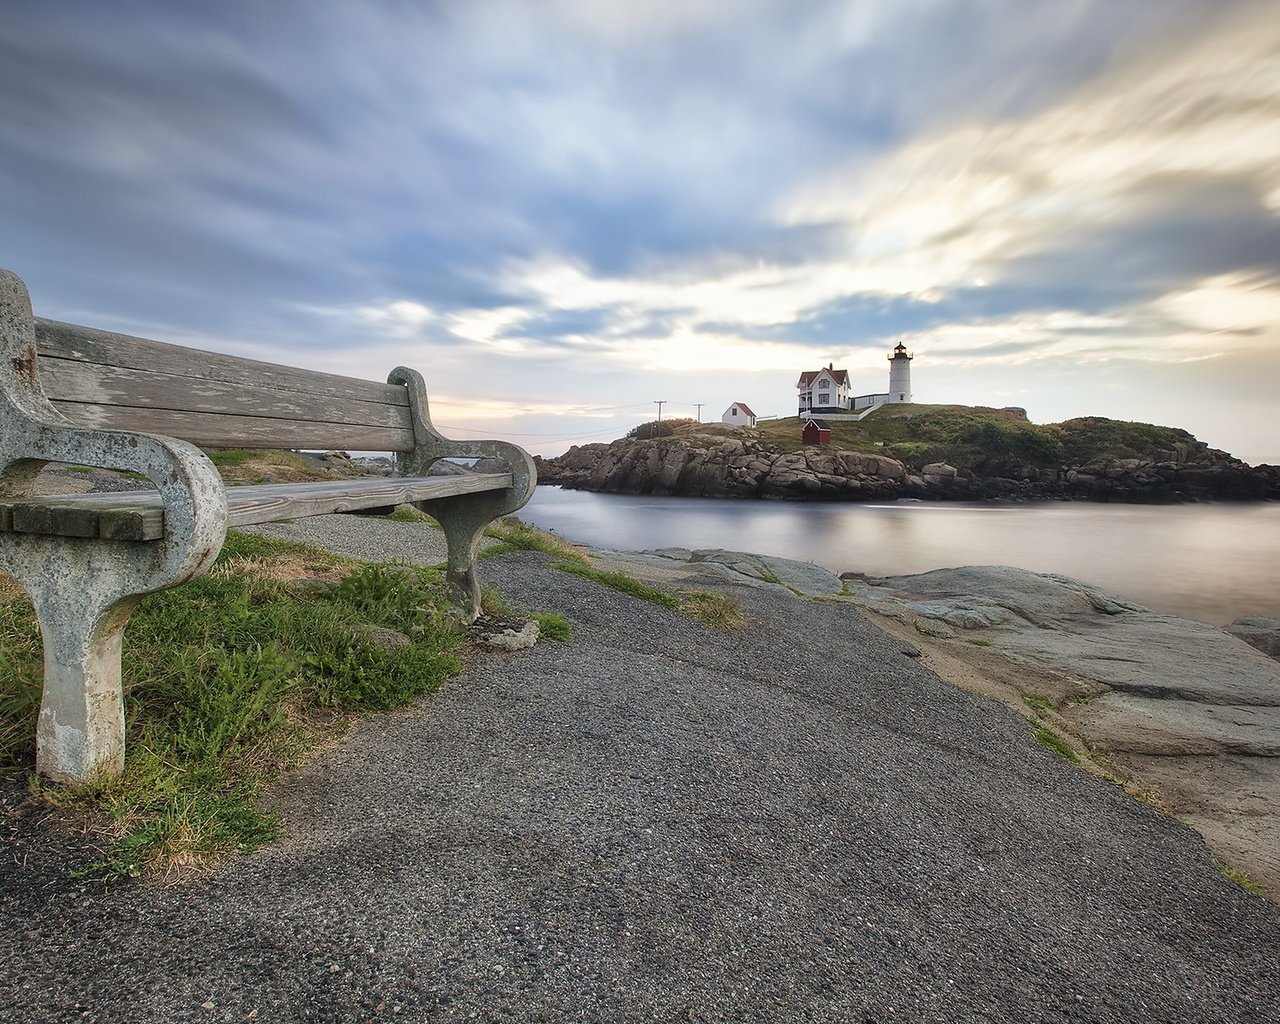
(660,404)
(699,405)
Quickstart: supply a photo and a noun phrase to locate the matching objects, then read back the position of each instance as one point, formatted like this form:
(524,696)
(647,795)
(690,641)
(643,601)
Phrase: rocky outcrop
(715,465)
(707,465)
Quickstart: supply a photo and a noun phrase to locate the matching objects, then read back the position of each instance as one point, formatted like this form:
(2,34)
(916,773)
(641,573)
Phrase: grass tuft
(408,514)
(620,581)
(255,466)
(514,535)
(1051,741)
(715,610)
(1241,879)
(1037,704)
(719,611)
(551,625)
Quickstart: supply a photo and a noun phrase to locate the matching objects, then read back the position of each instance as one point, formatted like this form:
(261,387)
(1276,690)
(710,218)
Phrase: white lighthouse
(900,374)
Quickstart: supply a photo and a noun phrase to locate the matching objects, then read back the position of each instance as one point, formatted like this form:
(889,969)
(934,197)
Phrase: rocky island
(917,451)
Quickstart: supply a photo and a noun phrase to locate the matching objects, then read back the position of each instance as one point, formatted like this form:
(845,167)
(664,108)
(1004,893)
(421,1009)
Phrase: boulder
(1258,632)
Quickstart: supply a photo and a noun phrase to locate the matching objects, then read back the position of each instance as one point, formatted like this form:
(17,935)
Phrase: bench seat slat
(66,380)
(89,345)
(138,515)
(266,503)
(219,430)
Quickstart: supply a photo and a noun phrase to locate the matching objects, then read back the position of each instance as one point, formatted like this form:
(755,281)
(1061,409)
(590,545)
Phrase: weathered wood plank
(86,344)
(127,515)
(67,380)
(139,515)
(267,503)
(216,430)
(134,523)
(55,520)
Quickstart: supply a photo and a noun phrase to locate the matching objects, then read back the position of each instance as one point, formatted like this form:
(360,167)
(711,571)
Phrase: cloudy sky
(564,210)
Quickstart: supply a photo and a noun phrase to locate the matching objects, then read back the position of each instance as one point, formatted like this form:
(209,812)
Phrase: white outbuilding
(739,415)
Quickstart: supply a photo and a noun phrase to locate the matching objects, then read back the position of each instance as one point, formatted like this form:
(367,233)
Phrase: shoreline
(1204,562)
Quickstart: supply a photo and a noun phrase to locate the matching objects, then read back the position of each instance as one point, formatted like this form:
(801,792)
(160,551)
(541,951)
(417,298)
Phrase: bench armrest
(431,446)
(33,433)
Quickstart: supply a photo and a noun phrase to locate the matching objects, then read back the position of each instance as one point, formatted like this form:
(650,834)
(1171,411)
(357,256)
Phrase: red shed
(815,432)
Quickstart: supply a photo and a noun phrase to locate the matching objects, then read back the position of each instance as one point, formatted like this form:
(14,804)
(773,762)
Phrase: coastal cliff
(934,453)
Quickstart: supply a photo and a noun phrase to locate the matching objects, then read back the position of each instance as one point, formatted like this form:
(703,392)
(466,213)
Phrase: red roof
(744,407)
(807,378)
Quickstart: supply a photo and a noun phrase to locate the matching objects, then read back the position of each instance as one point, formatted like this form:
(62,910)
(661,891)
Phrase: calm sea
(1214,562)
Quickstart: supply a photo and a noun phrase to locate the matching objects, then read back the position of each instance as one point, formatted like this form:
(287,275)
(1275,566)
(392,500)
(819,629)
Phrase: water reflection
(1208,562)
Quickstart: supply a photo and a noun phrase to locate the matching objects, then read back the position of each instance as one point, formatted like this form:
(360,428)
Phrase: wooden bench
(75,395)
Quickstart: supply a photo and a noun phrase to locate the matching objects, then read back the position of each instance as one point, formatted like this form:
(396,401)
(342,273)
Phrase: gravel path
(655,822)
(366,537)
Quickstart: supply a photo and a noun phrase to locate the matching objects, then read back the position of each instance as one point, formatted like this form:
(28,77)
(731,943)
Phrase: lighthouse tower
(900,374)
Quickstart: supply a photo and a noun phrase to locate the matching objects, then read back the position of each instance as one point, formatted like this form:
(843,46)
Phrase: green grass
(715,610)
(233,457)
(408,514)
(254,466)
(661,428)
(1037,704)
(1241,879)
(620,581)
(551,625)
(129,473)
(980,643)
(513,535)
(719,611)
(989,441)
(1051,741)
(229,680)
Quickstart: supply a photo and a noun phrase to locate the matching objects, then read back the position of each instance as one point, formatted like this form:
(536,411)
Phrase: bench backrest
(114,381)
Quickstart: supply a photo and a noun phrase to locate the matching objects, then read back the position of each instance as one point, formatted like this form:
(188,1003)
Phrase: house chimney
(831,366)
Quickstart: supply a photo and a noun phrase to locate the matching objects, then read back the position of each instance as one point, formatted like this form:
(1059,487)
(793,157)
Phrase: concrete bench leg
(80,733)
(463,519)
(463,538)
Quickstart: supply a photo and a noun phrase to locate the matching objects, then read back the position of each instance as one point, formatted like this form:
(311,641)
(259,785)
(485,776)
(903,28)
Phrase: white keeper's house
(826,391)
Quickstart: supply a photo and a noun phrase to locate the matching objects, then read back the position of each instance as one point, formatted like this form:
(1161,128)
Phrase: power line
(490,432)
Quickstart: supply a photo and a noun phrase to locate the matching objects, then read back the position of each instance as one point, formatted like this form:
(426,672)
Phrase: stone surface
(505,633)
(739,566)
(1165,696)
(1260,632)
